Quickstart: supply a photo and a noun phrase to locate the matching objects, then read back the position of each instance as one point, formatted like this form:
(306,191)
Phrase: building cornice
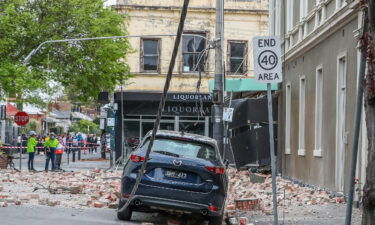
(330,26)
(195,9)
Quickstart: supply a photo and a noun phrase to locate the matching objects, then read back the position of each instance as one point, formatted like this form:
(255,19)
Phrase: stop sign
(21,118)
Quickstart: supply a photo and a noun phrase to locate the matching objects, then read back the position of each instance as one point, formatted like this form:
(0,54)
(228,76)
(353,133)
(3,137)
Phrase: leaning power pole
(218,92)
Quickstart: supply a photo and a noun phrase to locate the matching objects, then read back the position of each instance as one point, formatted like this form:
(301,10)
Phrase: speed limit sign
(267,59)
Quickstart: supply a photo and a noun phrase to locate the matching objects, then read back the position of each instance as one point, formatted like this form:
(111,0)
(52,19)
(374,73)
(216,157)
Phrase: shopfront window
(193,52)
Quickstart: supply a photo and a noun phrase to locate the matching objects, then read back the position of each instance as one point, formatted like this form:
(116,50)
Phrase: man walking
(50,146)
(31,144)
(80,144)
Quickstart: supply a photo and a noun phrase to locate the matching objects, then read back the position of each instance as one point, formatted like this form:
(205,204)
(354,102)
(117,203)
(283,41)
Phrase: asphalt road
(44,215)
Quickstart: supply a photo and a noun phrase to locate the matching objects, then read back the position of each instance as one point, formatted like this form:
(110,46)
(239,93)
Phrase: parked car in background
(184,174)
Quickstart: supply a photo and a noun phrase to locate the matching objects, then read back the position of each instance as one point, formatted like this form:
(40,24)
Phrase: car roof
(177,134)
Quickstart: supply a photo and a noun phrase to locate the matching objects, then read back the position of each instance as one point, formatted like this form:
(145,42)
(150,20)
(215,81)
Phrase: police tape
(41,147)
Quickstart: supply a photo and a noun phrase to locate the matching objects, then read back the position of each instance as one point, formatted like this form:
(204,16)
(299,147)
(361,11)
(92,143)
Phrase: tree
(85,126)
(369,188)
(33,125)
(82,69)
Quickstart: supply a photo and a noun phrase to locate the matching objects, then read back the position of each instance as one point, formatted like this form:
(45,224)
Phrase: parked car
(184,174)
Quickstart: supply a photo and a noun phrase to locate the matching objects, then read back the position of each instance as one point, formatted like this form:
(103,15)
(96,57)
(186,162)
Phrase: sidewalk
(87,162)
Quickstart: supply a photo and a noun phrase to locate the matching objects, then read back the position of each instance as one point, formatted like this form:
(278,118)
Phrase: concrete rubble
(64,189)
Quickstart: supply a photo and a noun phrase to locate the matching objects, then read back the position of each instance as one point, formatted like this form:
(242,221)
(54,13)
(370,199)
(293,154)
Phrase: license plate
(175,174)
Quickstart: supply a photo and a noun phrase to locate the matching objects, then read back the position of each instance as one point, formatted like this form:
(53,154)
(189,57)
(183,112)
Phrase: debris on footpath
(90,189)
(253,192)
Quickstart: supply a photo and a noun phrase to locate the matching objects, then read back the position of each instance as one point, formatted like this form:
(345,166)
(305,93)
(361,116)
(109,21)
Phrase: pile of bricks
(66,189)
(245,195)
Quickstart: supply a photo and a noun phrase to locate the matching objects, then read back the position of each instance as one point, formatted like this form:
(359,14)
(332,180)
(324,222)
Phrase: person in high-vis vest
(50,147)
(59,153)
(31,144)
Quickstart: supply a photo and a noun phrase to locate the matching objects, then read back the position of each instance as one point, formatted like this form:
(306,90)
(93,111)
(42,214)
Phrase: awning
(242,85)
(78,115)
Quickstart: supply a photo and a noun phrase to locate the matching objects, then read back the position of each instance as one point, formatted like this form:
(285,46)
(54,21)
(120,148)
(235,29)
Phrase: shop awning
(242,85)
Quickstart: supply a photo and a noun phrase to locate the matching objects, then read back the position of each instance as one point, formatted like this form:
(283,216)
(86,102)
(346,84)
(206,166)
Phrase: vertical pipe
(272,153)
(357,125)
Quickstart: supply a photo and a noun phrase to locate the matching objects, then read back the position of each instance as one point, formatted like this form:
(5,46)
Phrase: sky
(110,2)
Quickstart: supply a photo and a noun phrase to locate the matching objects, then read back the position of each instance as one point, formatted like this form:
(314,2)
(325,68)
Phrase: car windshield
(182,148)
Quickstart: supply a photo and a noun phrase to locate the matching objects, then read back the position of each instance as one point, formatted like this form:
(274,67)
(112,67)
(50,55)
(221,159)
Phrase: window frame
(288,118)
(194,34)
(302,116)
(319,89)
(142,55)
(245,56)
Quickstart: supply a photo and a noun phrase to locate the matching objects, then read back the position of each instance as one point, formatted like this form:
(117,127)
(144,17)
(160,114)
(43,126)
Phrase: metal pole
(112,140)
(218,126)
(357,125)
(21,149)
(272,153)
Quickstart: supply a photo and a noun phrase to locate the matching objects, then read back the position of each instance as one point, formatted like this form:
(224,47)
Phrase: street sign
(21,118)
(228,114)
(267,59)
(102,124)
(111,122)
(3,112)
(103,113)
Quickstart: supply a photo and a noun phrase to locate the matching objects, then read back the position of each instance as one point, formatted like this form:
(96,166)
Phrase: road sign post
(21,119)
(268,69)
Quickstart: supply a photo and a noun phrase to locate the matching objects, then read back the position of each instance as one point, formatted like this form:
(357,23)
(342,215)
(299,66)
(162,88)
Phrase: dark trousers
(51,156)
(58,161)
(73,151)
(79,150)
(30,163)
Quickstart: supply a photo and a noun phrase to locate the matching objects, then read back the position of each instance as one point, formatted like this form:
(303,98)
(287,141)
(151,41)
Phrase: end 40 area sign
(267,59)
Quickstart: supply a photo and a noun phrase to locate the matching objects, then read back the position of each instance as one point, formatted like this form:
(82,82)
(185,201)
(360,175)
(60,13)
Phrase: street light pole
(218,99)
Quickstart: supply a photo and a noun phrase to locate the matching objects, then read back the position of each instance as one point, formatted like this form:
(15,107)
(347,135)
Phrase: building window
(301,128)
(289,15)
(288,110)
(303,9)
(237,57)
(318,111)
(193,52)
(150,55)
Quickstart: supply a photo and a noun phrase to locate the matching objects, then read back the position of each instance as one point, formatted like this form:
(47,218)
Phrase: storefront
(188,112)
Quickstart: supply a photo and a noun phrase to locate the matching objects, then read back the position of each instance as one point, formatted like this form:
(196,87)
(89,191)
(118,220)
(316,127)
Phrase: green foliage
(32,125)
(82,69)
(85,126)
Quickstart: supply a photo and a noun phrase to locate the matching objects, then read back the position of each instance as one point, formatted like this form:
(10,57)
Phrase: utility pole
(218,92)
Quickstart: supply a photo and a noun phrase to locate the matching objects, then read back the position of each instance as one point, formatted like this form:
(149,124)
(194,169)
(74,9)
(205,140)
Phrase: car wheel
(216,220)
(125,214)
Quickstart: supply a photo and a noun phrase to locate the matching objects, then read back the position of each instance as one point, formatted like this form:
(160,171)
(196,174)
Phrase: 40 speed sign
(267,59)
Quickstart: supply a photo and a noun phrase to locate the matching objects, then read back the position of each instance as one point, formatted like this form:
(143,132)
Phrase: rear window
(182,148)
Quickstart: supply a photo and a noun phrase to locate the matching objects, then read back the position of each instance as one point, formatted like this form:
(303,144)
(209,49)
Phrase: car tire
(216,220)
(125,214)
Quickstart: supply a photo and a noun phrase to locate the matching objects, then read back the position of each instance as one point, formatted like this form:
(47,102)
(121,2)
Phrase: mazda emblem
(177,162)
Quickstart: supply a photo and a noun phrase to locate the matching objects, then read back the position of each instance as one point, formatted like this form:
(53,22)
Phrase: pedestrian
(89,143)
(80,144)
(59,153)
(19,139)
(31,144)
(50,146)
(39,146)
(74,148)
(24,143)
